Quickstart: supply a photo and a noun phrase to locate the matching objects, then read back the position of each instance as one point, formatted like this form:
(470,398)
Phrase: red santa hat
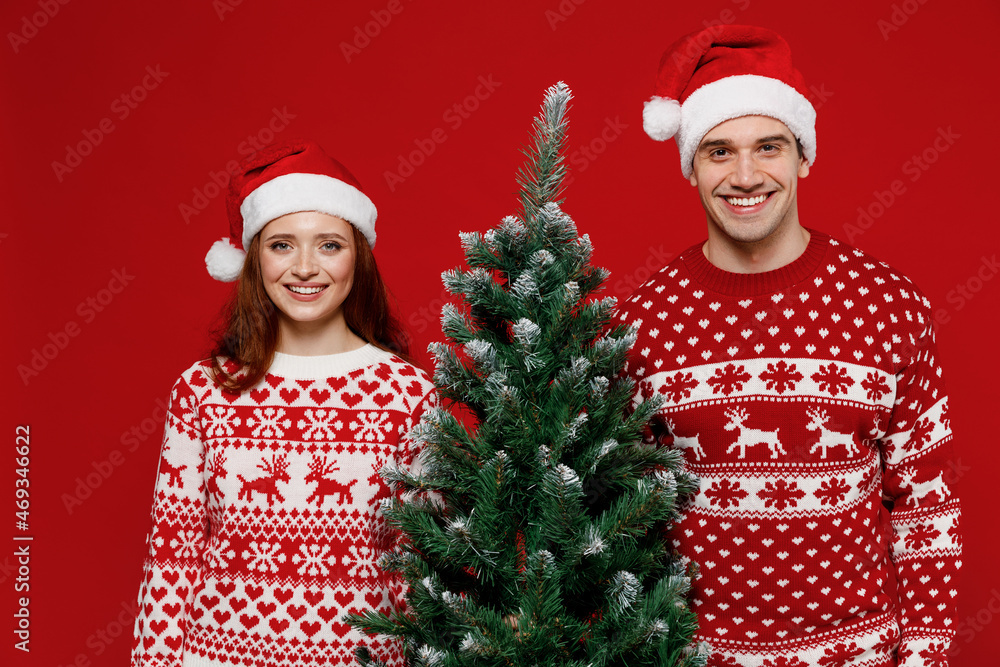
(725,72)
(284,178)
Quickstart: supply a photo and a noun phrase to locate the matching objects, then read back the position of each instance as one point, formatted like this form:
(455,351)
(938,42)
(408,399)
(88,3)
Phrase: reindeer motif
(827,437)
(382,537)
(751,436)
(174,473)
(686,442)
(216,472)
(318,469)
(383,489)
(275,471)
(921,490)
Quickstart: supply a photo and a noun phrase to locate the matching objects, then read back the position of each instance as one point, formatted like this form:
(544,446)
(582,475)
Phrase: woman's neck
(310,339)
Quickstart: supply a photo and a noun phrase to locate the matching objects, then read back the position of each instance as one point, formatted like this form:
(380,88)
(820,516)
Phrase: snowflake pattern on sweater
(801,398)
(266,522)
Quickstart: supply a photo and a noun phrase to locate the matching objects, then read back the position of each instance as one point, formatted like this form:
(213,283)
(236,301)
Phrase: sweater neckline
(752,284)
(299,367)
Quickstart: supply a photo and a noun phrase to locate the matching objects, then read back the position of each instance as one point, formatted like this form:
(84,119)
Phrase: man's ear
(693,179)
(803,168)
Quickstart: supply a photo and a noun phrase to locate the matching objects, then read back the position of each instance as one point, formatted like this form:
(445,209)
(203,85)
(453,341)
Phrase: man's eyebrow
(714,143)
(719,143)
(775,139)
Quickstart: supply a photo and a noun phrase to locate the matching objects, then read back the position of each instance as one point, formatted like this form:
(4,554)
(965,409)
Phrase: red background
(888,76)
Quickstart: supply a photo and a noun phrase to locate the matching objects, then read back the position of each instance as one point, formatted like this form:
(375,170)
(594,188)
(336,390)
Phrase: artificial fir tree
(533,533)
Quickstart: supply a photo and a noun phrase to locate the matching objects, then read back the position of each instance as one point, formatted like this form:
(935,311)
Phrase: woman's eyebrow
(324,235)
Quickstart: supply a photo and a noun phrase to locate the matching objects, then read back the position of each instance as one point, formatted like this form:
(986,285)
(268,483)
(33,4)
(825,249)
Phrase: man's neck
(779,249)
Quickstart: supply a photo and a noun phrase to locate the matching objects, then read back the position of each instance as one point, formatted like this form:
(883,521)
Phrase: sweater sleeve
(408,452)
(173,563)
(636,369)
(920,470)
(408,455)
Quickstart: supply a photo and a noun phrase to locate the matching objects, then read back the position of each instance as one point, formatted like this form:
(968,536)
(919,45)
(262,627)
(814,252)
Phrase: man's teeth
(744,201)
(305,290)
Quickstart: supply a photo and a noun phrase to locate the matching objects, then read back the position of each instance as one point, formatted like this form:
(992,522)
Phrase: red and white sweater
(266,515)
(801,397)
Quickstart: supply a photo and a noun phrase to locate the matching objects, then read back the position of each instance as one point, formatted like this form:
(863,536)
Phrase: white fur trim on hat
(296,192)
(224,261)
(744,95)
(661,117)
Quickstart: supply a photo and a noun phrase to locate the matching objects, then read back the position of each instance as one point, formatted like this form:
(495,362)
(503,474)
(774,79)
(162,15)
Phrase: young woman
(265,517)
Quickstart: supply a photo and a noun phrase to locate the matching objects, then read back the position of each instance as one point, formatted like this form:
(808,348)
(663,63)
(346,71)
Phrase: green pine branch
(532,534)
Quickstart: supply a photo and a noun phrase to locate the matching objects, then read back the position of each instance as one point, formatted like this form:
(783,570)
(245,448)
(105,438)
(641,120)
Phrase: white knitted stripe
(815,381)
(326,365)
(860,478)
(191,660)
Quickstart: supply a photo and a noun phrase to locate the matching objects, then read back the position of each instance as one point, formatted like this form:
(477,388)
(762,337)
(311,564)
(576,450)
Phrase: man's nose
(746,174)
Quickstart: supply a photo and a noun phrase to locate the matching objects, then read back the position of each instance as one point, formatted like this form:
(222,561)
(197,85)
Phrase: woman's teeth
(744,201)
(305,290)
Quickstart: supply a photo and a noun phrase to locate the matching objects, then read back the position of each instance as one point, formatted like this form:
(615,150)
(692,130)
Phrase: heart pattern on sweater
(781,405)
(283,564)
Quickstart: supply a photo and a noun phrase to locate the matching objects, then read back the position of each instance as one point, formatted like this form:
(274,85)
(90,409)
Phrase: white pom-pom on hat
(661,117)
(225,261)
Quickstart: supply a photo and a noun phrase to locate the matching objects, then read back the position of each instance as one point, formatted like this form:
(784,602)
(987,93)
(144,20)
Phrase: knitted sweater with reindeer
(802,398)
(266,522)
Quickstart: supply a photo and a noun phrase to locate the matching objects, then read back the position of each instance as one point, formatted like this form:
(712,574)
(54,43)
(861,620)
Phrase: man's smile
(743,204)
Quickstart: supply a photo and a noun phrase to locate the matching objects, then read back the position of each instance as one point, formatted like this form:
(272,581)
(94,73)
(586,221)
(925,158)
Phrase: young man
(802,382)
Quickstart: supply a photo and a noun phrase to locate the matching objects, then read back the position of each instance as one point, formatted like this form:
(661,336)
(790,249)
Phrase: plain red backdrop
(893,80)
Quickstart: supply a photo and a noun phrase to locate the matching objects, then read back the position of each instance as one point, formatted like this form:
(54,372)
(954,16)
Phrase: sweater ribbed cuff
(191,660)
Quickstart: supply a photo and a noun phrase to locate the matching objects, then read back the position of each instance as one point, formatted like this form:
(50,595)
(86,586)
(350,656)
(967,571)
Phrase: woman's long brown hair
(249,335)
